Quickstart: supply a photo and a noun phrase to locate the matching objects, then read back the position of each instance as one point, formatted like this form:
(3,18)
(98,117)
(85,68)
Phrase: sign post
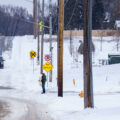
(33,65)
(47,79)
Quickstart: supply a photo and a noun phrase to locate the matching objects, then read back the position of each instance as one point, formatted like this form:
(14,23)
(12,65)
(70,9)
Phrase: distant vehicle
(113,58)
(1,62)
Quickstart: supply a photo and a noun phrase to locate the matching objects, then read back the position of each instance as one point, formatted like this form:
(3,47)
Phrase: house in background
(117,24)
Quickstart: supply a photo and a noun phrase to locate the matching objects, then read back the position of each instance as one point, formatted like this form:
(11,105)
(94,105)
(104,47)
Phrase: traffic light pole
(38,47)
(88,80)
(42,39)
(35,17)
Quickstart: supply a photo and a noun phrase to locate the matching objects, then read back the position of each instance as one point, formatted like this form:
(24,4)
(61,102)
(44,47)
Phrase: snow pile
(20,75)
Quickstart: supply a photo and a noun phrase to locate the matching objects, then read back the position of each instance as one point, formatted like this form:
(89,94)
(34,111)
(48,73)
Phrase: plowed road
(16,109)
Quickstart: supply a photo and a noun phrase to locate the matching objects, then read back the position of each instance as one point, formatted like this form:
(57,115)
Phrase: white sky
(24,3)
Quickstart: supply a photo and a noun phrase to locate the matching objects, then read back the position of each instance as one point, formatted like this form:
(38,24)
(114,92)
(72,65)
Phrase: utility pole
(38,52)
(88,80)
(60,48)
(57,36)
(42,39)
(35,17)
(50,32)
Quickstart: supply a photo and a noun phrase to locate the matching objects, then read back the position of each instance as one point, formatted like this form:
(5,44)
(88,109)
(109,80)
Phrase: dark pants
(43,87)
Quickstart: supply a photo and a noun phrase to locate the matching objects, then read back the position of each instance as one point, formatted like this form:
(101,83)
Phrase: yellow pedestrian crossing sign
(32,54)
(47,67)
(41,23)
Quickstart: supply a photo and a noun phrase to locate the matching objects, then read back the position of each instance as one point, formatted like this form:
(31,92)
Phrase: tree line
(104,14)
(14,21)
(17,21)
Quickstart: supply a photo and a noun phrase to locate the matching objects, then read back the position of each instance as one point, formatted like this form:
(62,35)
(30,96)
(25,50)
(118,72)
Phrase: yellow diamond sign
(47,67)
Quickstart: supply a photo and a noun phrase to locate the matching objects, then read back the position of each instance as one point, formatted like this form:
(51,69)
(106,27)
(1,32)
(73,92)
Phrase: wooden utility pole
(35,17)
(50,32)
(57,36)
(60,48)
(88,80)
(42,39)
(38,47)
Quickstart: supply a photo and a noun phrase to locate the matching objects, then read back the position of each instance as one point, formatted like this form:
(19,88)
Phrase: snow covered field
(18,74)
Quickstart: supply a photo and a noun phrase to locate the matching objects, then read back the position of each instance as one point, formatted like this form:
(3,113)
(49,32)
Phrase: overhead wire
(66,3)
(64,7)
(31,22)
(29,1)
(24,20)
(72,14)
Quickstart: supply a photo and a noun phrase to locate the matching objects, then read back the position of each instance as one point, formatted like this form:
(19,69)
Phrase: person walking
(43,82)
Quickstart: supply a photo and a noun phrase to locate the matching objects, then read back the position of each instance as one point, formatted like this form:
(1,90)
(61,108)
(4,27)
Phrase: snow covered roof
(114,54)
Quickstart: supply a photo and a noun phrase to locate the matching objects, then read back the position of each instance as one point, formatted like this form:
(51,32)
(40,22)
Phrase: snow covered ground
(20,75)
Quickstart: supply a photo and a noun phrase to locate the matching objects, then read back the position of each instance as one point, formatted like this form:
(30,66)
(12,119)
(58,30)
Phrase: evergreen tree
(15,21)
(98,15)
(73,14)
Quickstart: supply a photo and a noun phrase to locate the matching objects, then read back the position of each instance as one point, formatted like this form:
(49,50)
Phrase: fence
(95,33)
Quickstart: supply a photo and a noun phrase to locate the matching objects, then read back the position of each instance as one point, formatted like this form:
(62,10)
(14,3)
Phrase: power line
(32,1)
(55,21)
(66,3)
(29,1)
(56,18)
(72,13)
(13,17)
(31,22)
(24,20)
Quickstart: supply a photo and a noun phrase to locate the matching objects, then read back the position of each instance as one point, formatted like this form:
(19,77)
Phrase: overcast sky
(24,3)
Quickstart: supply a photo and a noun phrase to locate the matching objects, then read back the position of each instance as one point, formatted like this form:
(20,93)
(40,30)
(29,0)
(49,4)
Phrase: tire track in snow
(25,110)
